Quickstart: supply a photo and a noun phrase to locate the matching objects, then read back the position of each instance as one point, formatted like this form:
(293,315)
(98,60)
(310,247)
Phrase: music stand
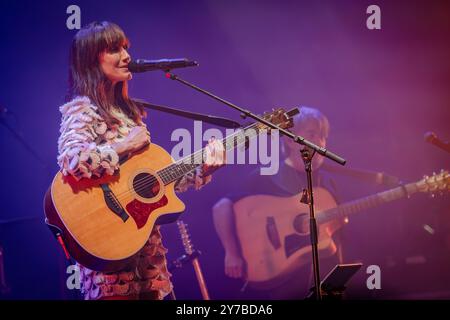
(333,285)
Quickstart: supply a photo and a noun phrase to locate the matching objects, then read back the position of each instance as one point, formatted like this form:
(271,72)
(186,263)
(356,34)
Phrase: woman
(100,124)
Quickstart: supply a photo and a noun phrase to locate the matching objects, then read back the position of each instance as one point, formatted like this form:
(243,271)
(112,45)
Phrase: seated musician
(290,180)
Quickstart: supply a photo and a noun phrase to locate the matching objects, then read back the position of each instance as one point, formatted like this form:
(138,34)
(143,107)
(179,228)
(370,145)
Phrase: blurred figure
(290,180)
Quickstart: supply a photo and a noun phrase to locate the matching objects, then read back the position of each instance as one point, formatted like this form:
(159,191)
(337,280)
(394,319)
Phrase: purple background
(381,90)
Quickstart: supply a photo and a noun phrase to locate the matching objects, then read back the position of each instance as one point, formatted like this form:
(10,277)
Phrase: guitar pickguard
(141,211)
(293,243)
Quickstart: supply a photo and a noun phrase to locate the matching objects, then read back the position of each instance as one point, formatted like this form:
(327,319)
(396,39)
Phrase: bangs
(112,38)
(86,77)
(95,38)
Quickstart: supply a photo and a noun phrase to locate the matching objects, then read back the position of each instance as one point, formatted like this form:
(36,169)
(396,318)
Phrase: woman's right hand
(135,140)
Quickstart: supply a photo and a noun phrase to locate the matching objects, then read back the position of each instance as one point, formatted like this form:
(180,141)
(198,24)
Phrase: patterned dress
(85,151)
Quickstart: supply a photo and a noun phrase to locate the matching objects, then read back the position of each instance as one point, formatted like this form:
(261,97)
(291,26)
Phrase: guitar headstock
(280,118)
(185,238)
(437,183)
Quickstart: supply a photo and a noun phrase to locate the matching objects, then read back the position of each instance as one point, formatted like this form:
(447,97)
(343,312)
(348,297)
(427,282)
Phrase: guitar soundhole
(301,224)
(146,185)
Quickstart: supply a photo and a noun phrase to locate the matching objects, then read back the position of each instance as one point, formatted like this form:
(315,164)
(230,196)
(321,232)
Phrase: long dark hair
(86,77)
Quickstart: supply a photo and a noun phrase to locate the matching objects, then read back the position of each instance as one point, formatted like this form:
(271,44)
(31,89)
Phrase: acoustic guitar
(104,222)
(274,231)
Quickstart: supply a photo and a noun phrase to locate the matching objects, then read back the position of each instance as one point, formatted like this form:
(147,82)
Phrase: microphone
(142,65)
(432,138)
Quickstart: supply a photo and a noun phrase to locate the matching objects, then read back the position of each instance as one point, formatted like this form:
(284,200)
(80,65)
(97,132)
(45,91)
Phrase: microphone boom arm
(218,121)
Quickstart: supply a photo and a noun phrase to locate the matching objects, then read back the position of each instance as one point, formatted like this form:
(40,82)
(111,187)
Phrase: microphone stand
(218,121)
(307,155)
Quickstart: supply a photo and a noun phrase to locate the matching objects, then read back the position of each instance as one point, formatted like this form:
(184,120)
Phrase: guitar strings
(142,183)
(149,180)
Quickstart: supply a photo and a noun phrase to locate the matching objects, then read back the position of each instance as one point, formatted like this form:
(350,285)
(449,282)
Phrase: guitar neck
(372,201)
(189,163)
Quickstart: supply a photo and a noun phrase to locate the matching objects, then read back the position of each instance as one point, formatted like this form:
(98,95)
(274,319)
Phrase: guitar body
(104,222)
(274,231)
(274,235)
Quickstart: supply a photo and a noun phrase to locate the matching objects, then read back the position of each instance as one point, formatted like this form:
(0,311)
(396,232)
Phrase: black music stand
(333,285)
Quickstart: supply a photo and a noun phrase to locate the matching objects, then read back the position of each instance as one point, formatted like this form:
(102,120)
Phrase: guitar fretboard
(372,201)
(189,163)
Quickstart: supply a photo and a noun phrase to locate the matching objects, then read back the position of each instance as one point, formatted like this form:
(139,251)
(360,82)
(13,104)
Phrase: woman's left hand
(215,157)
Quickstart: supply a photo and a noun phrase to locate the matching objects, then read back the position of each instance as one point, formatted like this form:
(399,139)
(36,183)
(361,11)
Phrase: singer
(99,125)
